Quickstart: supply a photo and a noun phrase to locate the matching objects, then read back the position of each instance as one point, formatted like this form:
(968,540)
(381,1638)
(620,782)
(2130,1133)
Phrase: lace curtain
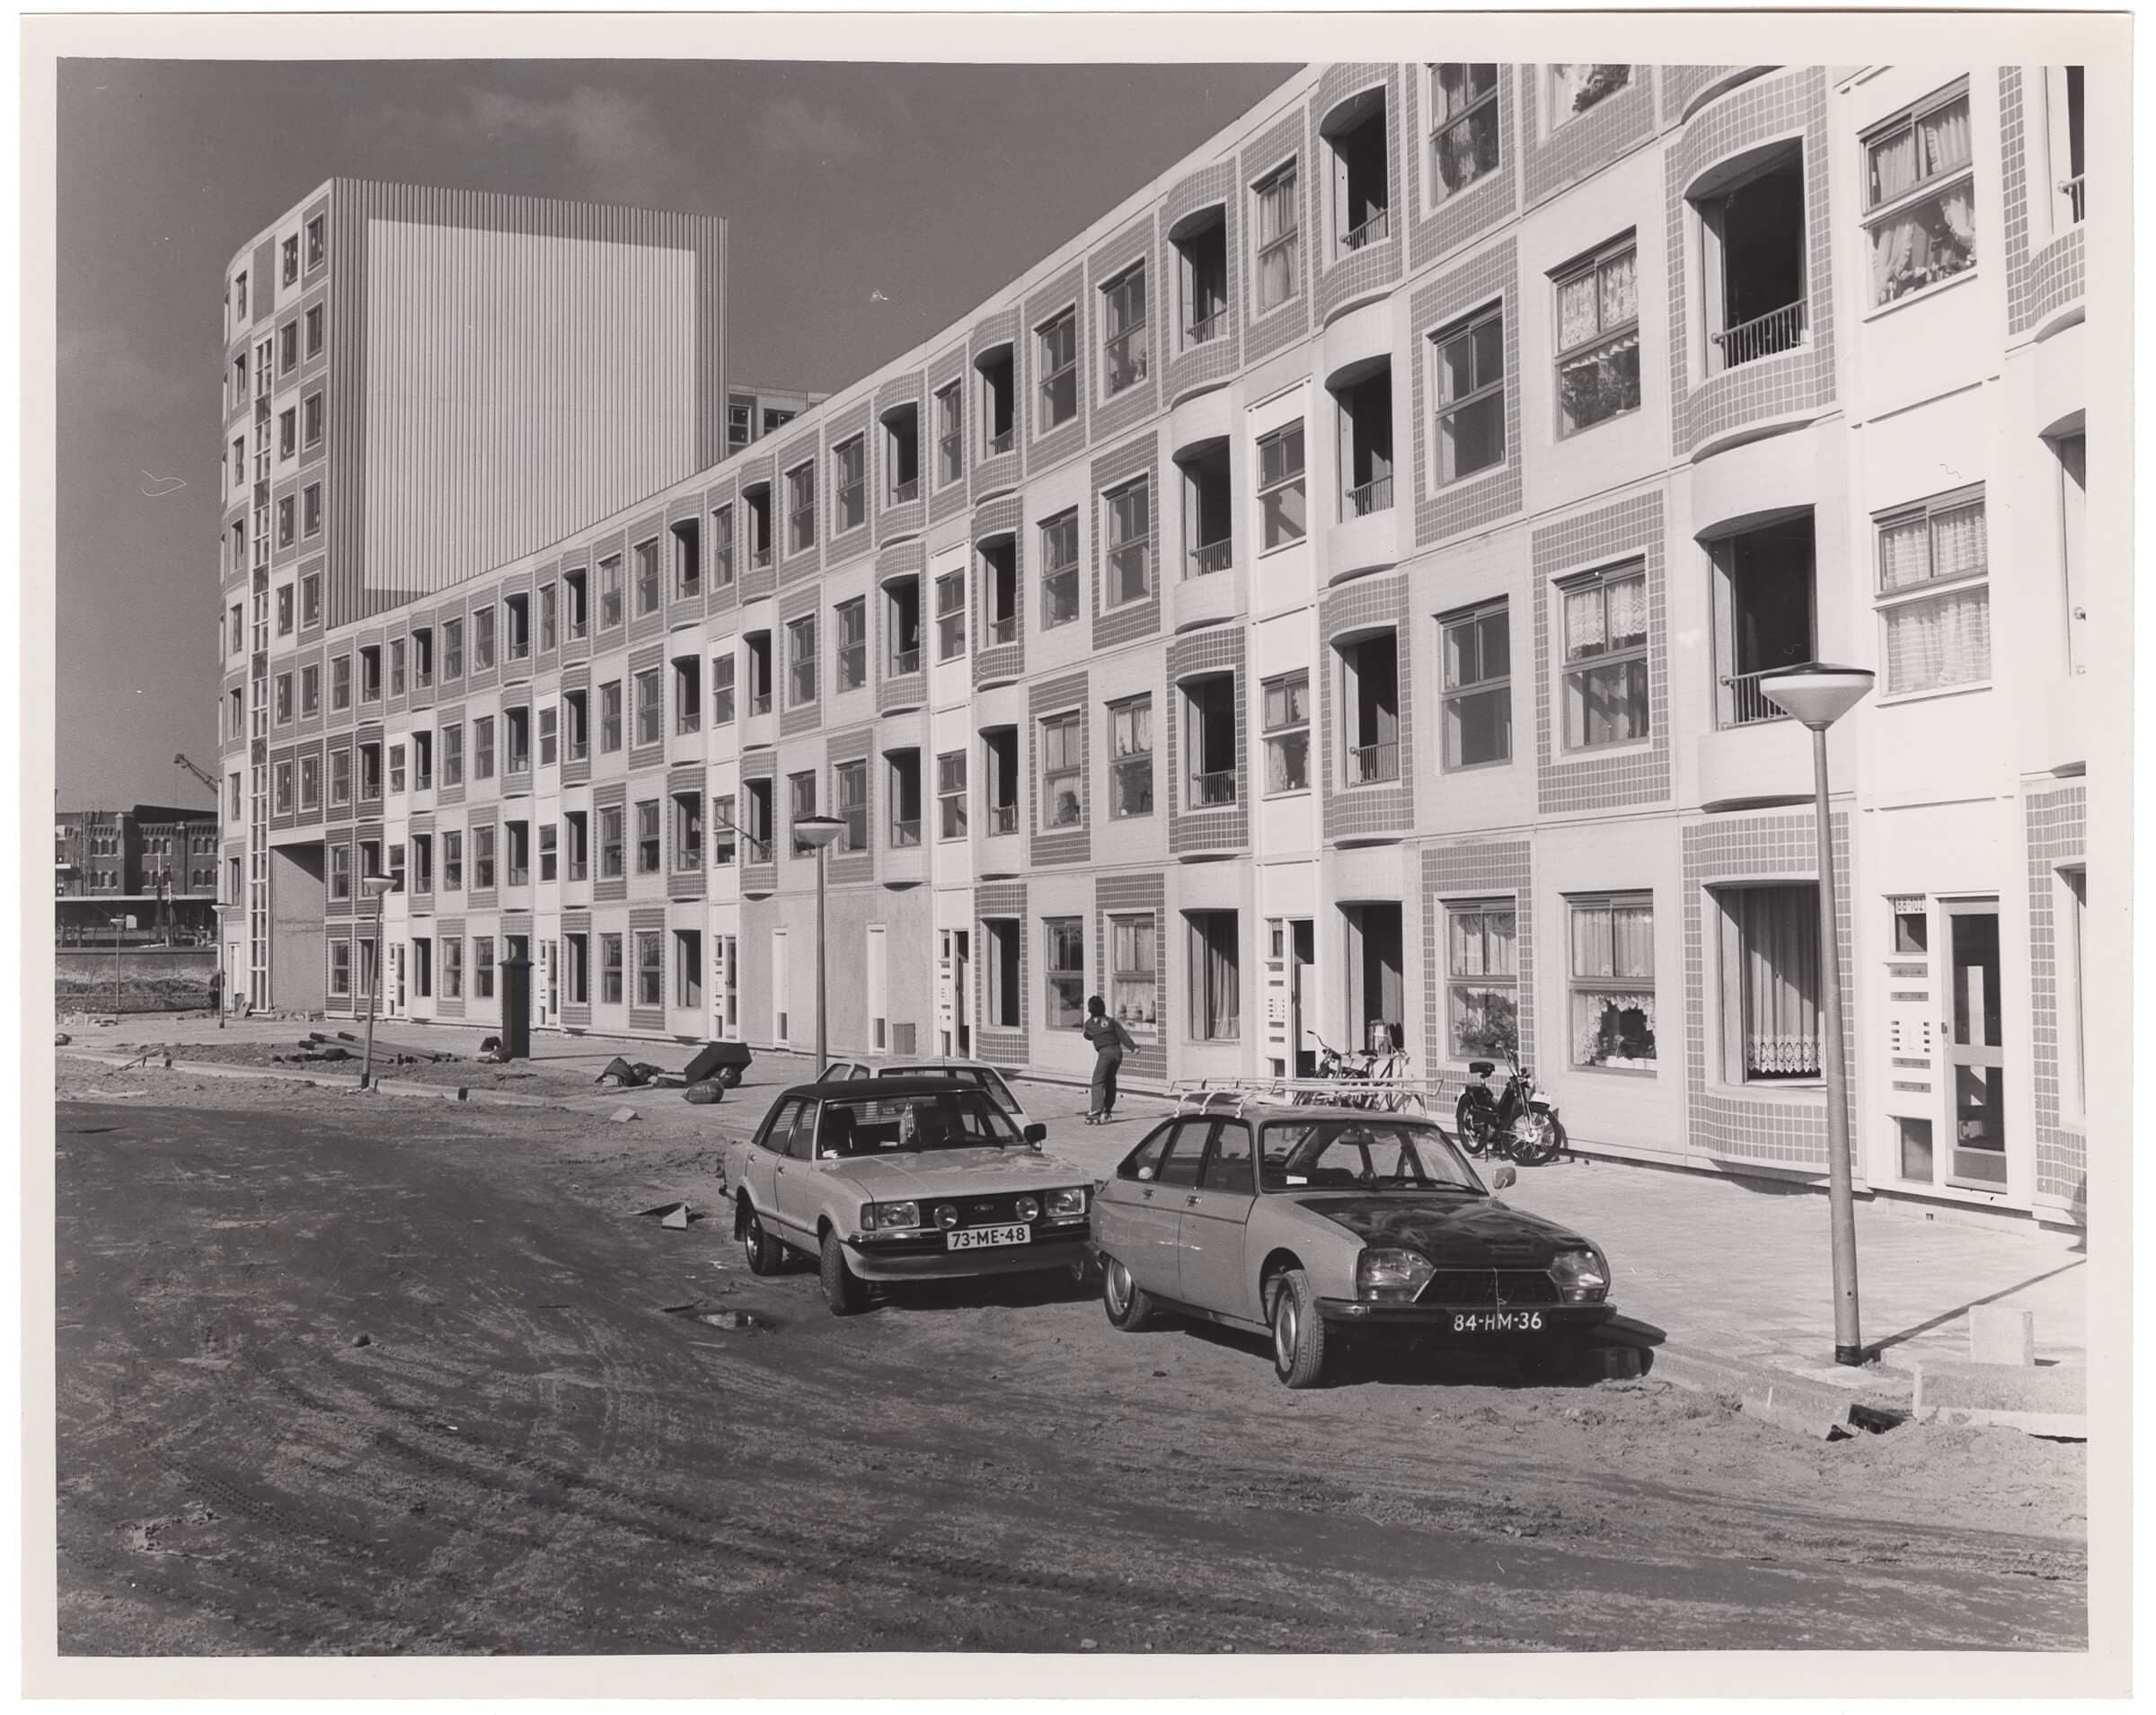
(1941,642)
(1778,932)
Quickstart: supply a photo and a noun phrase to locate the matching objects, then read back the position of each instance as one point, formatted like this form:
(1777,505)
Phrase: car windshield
(980,1077)
(1360,1155)
(954,1118)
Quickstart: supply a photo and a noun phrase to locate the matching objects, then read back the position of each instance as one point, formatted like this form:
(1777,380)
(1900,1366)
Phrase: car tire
(765,1254)
(1299,1333)
(1129,1304)
(844,1294)
(1554,1363)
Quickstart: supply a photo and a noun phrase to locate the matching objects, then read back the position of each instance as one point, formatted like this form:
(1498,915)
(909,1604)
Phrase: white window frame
(1455,690)
(1925,187)
(1606,340)
(1126,975)
(1276,482)
(1129,719)
(1612,984)
(1065,731)
(1463,118)
(1121,333)
(1112,514)
(1057,374)
(1568,667)
(1931,591)
(1059,570)
(1279,188)
(1465,329)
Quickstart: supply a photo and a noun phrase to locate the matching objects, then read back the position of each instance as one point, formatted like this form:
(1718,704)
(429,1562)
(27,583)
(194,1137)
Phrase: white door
(779,1032)
(879,994)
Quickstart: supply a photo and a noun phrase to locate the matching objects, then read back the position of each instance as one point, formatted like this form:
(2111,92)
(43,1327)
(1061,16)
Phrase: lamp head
(1817,694)
(817,831)
(376,885)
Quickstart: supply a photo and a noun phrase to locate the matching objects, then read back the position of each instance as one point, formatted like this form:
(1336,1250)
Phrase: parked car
(1306,1222)
(974,1071)
(902,1178)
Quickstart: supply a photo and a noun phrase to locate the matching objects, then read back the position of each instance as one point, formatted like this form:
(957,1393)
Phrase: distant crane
(209,779)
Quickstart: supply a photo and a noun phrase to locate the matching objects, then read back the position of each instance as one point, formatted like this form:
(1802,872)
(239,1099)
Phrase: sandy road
(527,1454)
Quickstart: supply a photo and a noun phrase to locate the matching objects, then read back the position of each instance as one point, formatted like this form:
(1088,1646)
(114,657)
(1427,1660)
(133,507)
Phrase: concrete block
(1802,1407)
(2000,1335)
(676,1216)
(622,1116)
(2050,1399)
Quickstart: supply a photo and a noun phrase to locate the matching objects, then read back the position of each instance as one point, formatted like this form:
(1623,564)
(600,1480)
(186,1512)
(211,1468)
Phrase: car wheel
(1299,1342)
(1554,1362)
(765,1254)
(1129,1304)
(844,1292)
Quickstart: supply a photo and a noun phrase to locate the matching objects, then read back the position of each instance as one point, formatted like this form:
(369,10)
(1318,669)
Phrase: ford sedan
(1304,1223)
(902,1178)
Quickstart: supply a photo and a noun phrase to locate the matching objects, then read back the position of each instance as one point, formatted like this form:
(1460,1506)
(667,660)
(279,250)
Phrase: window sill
(1902,698)
(1275,309)
(1923,294)
(1566,436)
(1286,791)
(1810,1092)
(1471,479)
(1648,1073)
(1598,753)
(1476,767)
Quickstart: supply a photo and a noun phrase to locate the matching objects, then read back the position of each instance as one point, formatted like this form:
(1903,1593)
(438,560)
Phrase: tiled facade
(1544,826)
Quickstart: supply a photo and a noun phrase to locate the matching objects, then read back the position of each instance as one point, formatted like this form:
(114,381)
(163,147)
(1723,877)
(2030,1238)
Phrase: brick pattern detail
(1122,895)
(1001,900)
(1436,229)
(1762,1127)
(906,517)
(1363,812)
(1781,104)
(1630,529)
(1069,438)
(2057,832)
(999,663)
(1480,869)
(1585,144)
(839,546)
(1478,501)
(1227,827)
(1139,456)
(1006,471)
(1285,323)
(1191,370)
(2037,284)
(1681,85)
(948,500)
(1137,243)
(1046,846)
(1351,276)
(896,692)
(850,868)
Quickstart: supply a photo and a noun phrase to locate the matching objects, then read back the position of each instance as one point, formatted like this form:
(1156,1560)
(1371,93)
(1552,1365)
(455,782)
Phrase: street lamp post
(118,924)
(376,887)
(1818,696)
(818,832)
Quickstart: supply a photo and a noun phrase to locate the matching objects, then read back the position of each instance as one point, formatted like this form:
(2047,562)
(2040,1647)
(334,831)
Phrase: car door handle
(1190,1202)
(1147,1194)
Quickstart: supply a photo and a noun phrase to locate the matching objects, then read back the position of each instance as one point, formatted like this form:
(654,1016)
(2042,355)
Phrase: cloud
(791,130)
(616,141)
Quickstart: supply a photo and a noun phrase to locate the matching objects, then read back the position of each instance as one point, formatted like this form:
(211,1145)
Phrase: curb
(460,1094)
(1815,1408)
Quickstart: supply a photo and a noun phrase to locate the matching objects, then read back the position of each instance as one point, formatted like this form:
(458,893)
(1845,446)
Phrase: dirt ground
(345,1373)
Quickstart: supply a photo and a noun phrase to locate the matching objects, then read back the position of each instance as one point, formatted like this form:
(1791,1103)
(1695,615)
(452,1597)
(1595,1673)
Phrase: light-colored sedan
(1306,1222)
(890,1179)
(978,1073)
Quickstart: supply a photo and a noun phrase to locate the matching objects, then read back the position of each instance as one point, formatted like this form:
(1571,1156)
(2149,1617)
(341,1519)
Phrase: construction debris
(622,1116)
(665,1212)
(60,1038)
(703,1094)
(678,1216)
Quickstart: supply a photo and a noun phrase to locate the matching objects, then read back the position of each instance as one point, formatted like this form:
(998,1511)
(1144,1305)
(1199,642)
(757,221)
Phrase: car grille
(1489,1286)
(975,1211)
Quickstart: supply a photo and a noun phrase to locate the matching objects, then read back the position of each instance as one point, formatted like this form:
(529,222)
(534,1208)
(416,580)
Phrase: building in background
(1325,598)
(753,413)
(154,864)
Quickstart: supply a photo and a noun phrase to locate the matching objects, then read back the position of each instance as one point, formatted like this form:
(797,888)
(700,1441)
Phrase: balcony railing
(906,833)
(1372,231)
(1212,556)
(1209,791)
(759,558)
(1369,764)
(753,850)
(1374,496)
(905,661)
(998,445)
(1762,336)
(909,489)
(1748,704)
(759,702)
(2076,192)
(1003,819)
(1207,328)
(1004,630)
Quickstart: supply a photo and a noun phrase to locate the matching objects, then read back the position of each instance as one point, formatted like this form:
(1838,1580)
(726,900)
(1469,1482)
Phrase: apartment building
(153,864)
(1325,599)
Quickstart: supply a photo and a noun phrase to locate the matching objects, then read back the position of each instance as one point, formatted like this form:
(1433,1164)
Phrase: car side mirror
(1144,1172)
(1035,1133)
(1505,1177)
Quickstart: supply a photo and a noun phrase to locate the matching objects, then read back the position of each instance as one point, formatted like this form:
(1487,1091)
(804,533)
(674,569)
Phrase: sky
(868,207)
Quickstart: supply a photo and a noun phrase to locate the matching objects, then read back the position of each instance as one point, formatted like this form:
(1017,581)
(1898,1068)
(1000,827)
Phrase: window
(950,615)
(999,756)
(1935,594)
(610,592)
(239,295)
(550,849)
(483,747)
(775,418)
(902,456)
(1469,358)
(610,969)
(688,569)
(1002,936)
(2062,92)
(289,261)
(482,640)
(647,577)
(725,830)
(483,857)
(1478,687)
(284,698)
(1606,682)
(999,391)
(310,419)
(951,795)
(849,796)
(453,648)
(1574,89)
(482,967)
(1354,135)
(800,789)
(1482,980)
(1280,502)
(647,837)
(1370,705)
(999,592)
(757,830)
(287,521)
(314,321)
(550,722)
(1129,541)
(286,596)
(740,423)
(370,673)
(1063,945)
(758,644)
(1752,234)
(688,830)
(1919,196)
(1201,249)
(801,651)
(758,500)
(1208,508)
(650,709)
(852,644)
(1062,771)
(1059,571)
(519,853)
(422,863)
(310,599)
(2072,907)
(1055,352)
(1123,339)
(310,691)
(723,547)
(453,754)
(1772,942)
(576,844)
(1209,740)
(288,348)
(1762,614)
(1613,982)
(1134,978)
(610,716)
(722,690)
(1287,733)
(1598,339)
(1279,228)
(2072,453)
(1130,757)
(688,693)
(317,241)
(453,861)
(950,431)
(575,610)
(847,485)
(288,433)
(612,854)
(688,968)
(801,509)
(1216,976)
(1364,412)
(905,788)
(1464,127)
(341,776)
(341,682)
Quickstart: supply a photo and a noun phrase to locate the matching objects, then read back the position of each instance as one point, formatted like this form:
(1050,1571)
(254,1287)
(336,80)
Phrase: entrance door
(1375,994)
(1302,955)
(1975,1049)
(961,979)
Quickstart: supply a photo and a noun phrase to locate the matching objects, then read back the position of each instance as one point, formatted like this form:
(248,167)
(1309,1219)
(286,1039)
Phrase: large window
(1598,338)
(801,509)
(647,577)
(1130,757)
(610,969)
(1063,954)
(1482,979)
(649,710)
(1282,514)
(722,689)
(1209,721)
(1469,366)
(1464,127)
(1059,571)
(800,661)
(647,841)
(1773,959)
(651,969)
(1605,676)
(1134,974)
(802,796)
(1478,687)
(1216,976)
(610,592)
(1935,594)
(950,615)
(1123,331)
(1919,191)
(1056,354)
(852,644)
(1287,733)
(482,967)
(951,795)
(1062,771)
(850,795)
(1279,228)
(950,444)
(612,852)
(1001,983)
(847,464)
(1574,89)
(1613,982)
(1130,511)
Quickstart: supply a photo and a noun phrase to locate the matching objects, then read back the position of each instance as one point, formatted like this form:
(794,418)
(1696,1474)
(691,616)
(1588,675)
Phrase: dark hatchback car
(1306,1222)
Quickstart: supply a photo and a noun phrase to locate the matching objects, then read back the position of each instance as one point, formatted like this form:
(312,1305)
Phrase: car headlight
(1067,1205)
(1028,1208)
(877,1216)
(1391,1276)
(1582,1277)
(945,1215)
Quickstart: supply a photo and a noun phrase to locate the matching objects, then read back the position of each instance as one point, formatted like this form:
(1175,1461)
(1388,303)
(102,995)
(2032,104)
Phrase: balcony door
(1975,1048)
(1763,602)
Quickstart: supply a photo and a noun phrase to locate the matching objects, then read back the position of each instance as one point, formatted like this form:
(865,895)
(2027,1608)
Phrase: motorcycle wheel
(1474,1129)
(1537,1139)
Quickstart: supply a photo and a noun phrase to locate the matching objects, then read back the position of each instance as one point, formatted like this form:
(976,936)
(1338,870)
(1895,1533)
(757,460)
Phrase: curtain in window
(1959,541)
(1216,1002)
(1945,640)
(1628,611)
(1620,278)
(1944,135)
(1583,632)
(1778,933)
(1576,310)
(1893,166)
(1903,556)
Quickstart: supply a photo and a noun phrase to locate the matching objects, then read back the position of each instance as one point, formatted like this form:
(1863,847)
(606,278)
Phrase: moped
(1515,1123)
